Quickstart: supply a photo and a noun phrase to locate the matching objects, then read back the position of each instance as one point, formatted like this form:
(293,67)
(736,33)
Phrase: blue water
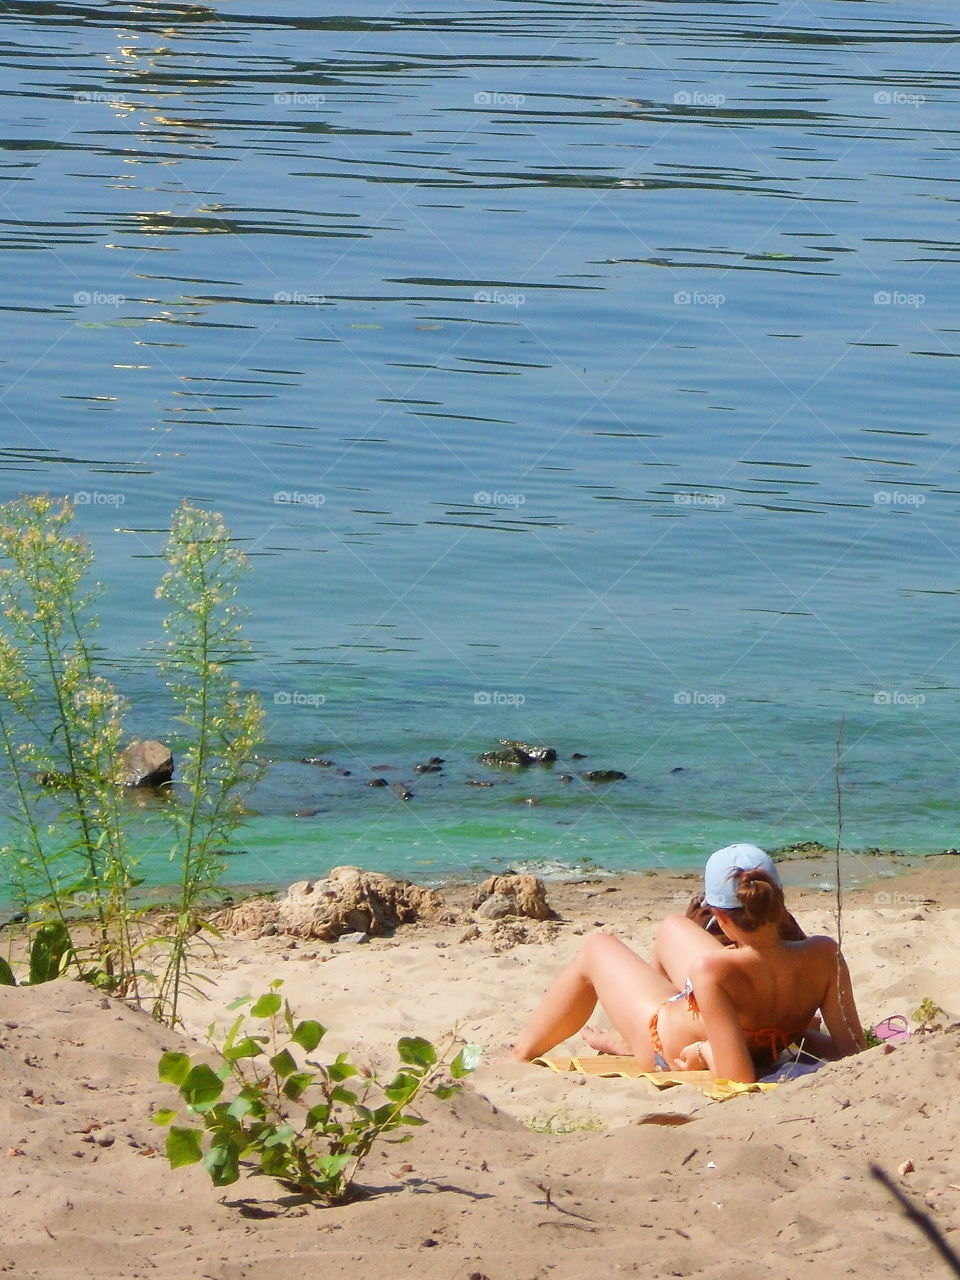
(575,372)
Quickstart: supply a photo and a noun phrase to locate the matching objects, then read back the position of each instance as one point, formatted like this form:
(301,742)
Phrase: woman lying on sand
(700,1005)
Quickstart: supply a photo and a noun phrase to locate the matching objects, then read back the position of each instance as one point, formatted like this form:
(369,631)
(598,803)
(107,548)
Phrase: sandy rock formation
(348,900)
(514,895)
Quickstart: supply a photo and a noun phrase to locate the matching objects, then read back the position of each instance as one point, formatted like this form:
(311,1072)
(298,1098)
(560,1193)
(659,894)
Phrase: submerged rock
(513,895)
(802,848)
(145,764)
(605,775)
(401,792)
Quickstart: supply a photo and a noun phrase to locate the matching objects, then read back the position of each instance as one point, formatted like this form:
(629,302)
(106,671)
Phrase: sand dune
(764,1184)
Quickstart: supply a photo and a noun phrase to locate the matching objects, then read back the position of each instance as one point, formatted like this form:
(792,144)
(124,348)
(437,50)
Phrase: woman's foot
(606,1041)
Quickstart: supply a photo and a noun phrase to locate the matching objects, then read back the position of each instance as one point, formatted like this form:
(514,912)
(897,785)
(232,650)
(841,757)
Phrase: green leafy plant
(291,1118)
(50,953)
(928,1015)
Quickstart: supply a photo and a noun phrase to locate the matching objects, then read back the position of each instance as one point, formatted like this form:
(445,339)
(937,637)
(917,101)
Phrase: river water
(579,373)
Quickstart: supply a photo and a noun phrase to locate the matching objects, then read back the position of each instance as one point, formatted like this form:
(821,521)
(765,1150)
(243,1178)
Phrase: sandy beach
(526,1174)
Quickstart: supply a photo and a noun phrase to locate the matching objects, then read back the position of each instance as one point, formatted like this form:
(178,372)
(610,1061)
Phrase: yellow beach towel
(608,1064)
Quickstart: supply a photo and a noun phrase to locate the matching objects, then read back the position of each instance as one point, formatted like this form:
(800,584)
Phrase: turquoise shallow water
(579,373)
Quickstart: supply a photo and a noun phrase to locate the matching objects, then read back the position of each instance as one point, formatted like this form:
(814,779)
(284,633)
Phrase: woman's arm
(839,1008)
(728,1049)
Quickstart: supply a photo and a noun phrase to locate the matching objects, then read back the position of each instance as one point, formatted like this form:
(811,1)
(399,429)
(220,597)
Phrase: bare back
(746,993)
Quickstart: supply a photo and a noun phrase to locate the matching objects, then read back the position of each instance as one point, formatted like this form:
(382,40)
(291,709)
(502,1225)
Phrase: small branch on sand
(922,1220)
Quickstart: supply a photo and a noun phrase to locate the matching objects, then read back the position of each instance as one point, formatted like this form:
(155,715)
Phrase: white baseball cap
(719,875)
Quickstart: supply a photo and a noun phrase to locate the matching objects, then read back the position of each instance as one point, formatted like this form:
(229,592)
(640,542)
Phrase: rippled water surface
(575,372)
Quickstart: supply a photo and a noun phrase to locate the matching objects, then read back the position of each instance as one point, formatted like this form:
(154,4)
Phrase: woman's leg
(678,943)
(604,970)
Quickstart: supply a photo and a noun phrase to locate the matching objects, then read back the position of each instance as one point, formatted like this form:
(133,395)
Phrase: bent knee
(673,926)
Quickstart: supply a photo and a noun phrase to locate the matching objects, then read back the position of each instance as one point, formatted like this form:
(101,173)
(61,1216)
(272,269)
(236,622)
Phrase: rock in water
(512,754)
(515,895)
(605,775)
(536,755)
(145,764)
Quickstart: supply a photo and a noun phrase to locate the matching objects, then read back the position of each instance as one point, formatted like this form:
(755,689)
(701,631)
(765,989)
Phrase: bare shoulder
(820,944)
(714,966)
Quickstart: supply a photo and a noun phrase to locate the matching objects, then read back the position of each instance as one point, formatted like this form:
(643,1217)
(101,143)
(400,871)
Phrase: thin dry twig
(922,1220)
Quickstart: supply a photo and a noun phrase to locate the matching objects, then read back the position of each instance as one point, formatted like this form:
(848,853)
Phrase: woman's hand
(695,1057)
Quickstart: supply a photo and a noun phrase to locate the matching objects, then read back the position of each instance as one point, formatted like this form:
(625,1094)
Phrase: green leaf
(50,946)
(239,1002)
(6,975)
(201,1088)
(341,1070)
(467,1060)
(266,1006)
(386,1115)
(283,1136)
(417,1052)
(230,1036)
(275,1162)
(283,1063)
(221,1164)
(330,1167)
(308,1034)
(444,1091)
(339,1094)
(163,1116)
(173,1068)
(296,1086)
(184,1146)
(317,1116)
(402,1088)
(248,1047)
(241,1106)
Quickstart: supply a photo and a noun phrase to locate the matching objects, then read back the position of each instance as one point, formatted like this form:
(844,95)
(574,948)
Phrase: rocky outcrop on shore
(347,901)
